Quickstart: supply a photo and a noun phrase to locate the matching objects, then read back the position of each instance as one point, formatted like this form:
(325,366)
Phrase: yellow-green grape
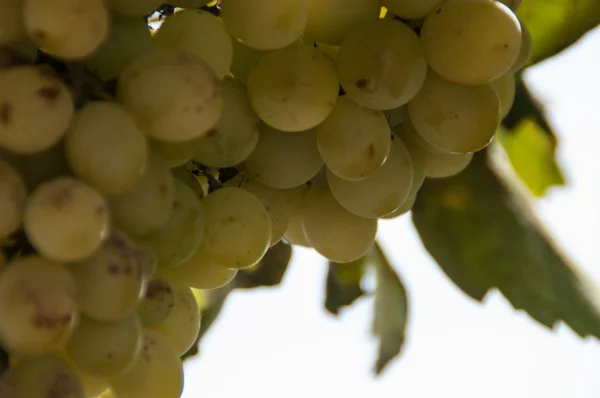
(128,38)
(175,154)
(174,95)
(158,303)
(293,89)
(410,9)
(235,135)
(403,209)
(12,199)
(238,228)
(181,235)
(189,3)
(244,60)
(396,116)
(333,231)
(134,8)
(199,33)
(381,193)
(110,283)
(471,41)
(330,50)
(294,233)
(453,117)
(105,148)
(265,24)
(353,141)
(331,21)
(418,158)
(69,29)
(381,64)
(12,29)
(201,272)
(66,220)
(505,87)
(525,51)
(37,305)
(45,377)
(284,160)
(148,259)
(181,327)
(147,206)
(105,349)
(26,91)
(93,386)
(156,373)
(184,175)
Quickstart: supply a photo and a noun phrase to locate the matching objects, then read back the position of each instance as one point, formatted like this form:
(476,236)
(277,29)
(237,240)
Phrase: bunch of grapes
(139,163)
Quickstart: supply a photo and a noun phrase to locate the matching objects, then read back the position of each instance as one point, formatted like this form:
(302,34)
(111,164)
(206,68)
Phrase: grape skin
(44,377)
(158,303)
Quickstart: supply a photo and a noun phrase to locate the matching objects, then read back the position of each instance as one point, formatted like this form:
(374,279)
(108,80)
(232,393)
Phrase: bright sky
(280,342)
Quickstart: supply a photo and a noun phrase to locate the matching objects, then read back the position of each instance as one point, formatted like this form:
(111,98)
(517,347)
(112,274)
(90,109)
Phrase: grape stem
(207,172)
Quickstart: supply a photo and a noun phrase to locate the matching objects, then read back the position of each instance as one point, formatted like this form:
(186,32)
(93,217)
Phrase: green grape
(265,24)
(128,39)
(12,29)
(156,373)
(418,158)
(353,141)
(45,377)
(455,118)
(235,135)
(201,272)
(525,51)
(181,235)
(396,116)
(134,8)
(92,385)
(111,282)
(148,258)
(158,303)
(381,64)
(294,233)
(105,349)
(403,209)
(199,33)
(70,29)
(238,228)
(381,193)
(283,160)
(331,51)
(182,327)
(333,231)
(175,154)
(471,41)
(36,109)
(147,206)
(188,178)
(331,21)
(293,89)
(37,306)
(105,148)
(65,219)
(12,199)
(244,60)
(410,9)
(505,87)
(174,95)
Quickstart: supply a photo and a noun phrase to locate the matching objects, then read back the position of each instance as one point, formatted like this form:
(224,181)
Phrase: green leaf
(342,287)
(484,236)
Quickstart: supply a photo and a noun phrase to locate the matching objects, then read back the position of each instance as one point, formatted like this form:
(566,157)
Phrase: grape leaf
(483,236)
(342,287)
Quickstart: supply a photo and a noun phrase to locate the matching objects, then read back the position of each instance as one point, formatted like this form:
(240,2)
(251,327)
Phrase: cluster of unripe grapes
(147,154)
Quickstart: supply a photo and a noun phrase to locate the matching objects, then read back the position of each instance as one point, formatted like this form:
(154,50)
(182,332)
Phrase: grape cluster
(139,163)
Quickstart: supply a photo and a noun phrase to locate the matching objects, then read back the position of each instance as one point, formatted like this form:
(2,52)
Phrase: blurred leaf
(483,236)
(342,287)
(391,309)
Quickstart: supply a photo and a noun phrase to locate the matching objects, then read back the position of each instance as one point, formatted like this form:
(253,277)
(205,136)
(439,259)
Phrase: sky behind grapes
(280,342)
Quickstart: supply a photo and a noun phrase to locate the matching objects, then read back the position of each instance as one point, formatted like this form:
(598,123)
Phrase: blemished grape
(199,33)
(244,60)
(381,64)
(43,377)
(158,303)
(505,87)
(410,9)
(156,373)
(381,193)
(293,89)
(12,29)
(66,220)
(181,235)
(333,231)
(174,154)
(110,283)
(201,272)
(294,233)
(174,95)
(353,141)
(105,349)
(284,160)
(70,29)
(455,118)
(331,21)
(105,147)
(235,135)
(265,24)
(147,206)
(238,228)
(31,90)
(12,199)
(471,41)
(525,51)
(37,306)
(134,8)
